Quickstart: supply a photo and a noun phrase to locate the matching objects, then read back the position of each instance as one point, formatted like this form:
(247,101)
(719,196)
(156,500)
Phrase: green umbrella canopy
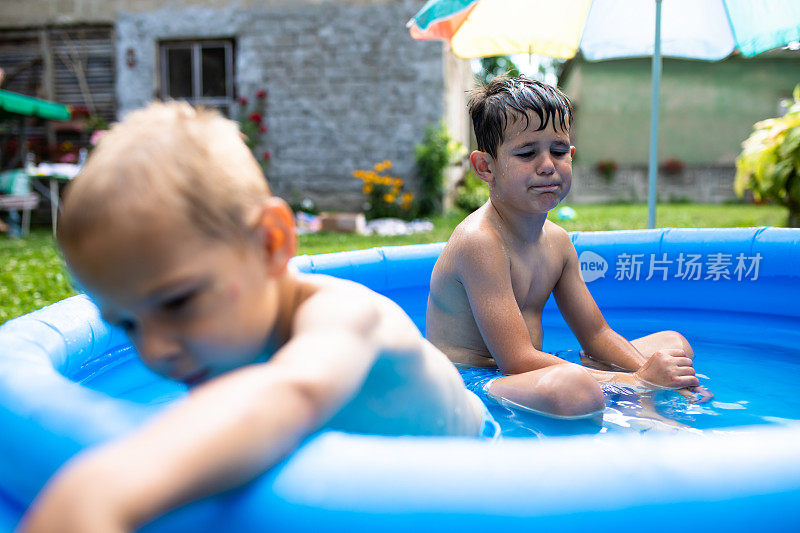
(19,104)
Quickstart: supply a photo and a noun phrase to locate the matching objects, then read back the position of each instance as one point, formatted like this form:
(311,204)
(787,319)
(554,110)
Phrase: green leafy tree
(496,66)
(769,164)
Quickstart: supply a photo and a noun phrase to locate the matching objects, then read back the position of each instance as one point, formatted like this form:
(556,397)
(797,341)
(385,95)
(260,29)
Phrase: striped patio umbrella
(607,29)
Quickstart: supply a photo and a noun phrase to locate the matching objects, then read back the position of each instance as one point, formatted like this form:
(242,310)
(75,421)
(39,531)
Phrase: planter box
(343,222)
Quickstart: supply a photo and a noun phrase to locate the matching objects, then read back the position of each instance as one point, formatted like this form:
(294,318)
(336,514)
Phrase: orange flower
(367,188)
(389,198)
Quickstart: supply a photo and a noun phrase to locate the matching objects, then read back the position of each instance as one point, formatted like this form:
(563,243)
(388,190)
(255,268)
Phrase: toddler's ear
(481,163)
(278,236)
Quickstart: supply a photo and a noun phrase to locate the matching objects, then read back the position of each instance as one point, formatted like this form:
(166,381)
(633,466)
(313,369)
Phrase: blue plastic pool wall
(719,303)
(355,482)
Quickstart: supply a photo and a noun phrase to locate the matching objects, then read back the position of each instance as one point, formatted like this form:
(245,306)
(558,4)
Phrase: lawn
(33,274)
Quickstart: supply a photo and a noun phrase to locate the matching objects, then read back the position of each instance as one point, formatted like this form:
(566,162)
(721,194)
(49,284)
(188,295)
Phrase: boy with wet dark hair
(503,261)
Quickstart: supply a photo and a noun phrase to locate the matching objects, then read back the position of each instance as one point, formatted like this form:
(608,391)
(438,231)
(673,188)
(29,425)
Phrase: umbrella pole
(652,167)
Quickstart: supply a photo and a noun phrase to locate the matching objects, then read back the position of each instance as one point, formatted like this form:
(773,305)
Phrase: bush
(769,164)
(472,193)
(436,152)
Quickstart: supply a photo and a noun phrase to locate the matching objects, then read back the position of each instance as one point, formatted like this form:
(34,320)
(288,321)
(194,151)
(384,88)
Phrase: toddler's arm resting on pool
(225,433)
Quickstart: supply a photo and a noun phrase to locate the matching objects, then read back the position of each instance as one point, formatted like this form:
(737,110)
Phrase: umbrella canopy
(608,29)
(19,104)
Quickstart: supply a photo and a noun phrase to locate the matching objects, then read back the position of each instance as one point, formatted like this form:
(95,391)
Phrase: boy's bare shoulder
(557,233)
(560,238)
(329,298)
(346,305)
(475,238)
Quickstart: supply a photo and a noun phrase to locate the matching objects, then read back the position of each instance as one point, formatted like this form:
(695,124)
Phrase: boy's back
(172,229)
(410,389)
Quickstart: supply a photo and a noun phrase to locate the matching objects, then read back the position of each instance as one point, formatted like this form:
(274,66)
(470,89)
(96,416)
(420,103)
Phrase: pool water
(752,384)
(747,361)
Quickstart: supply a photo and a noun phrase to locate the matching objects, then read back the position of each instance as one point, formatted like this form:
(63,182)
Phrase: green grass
(600,217)
(32,273)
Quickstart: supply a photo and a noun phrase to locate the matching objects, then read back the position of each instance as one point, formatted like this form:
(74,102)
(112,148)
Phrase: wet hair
(489,107)
(168,159)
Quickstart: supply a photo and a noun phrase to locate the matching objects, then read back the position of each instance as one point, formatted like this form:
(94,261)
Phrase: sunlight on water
(751,386)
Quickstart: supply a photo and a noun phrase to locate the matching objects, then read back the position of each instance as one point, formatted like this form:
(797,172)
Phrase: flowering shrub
(252,122)
(607,168)
(672,166)
(67,152)
(385,194)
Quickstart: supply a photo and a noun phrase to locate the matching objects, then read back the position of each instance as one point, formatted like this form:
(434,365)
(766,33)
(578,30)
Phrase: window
(200,72)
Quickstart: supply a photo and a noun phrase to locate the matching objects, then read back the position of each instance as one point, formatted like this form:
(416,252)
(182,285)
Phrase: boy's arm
(584,318)
(485,271)
(665,369)
(225,433)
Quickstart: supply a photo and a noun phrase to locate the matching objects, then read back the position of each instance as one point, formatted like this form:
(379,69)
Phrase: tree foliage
(496,66)
(769,164)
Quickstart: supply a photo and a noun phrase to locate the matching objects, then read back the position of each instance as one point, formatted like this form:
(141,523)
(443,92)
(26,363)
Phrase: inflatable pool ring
(68,381)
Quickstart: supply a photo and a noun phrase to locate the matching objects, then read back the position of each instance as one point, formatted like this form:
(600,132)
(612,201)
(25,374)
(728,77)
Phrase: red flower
(242,101)
(672,165)
(267,155)
(261,94)
(262,130)
(79,111)
(256,117)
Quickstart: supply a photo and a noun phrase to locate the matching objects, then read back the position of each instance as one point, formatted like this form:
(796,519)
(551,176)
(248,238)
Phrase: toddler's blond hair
(168,157)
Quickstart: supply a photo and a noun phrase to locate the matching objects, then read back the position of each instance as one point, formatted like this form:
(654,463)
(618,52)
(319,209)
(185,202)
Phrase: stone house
(346,85)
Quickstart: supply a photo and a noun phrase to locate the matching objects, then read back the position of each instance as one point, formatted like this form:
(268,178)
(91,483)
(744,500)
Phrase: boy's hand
(668,369)
(697,394)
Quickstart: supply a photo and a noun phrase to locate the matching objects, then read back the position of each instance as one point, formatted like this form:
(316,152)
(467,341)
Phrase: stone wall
(698,183)
(27,13)
(347,85)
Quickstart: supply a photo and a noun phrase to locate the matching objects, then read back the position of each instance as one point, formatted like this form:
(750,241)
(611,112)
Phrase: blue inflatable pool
(68,381)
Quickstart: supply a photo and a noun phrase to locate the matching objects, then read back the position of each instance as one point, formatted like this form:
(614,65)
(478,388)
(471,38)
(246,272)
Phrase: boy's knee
(673,339)
(576,393)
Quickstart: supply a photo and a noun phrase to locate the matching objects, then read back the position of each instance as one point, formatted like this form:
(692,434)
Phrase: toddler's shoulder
(343,302)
